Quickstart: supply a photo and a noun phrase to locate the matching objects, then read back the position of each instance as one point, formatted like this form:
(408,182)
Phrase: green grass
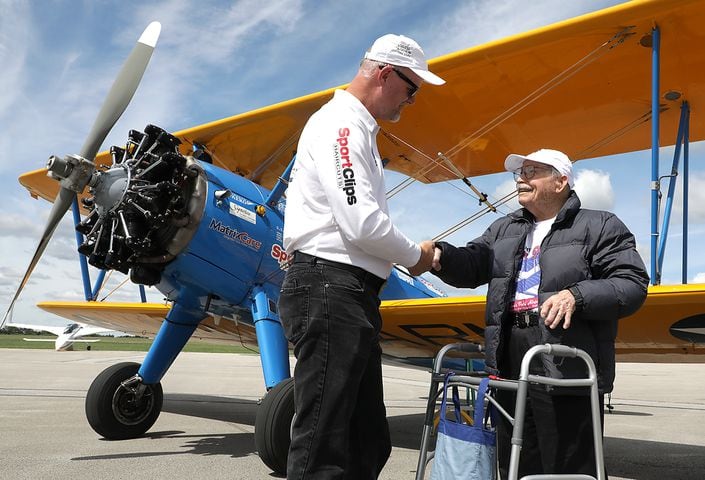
(114,343)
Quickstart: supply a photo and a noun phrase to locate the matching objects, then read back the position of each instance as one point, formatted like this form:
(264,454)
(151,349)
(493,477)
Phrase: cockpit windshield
(71,327)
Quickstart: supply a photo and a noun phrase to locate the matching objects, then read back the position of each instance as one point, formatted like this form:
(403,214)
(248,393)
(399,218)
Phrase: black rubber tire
(126,419)
(273,425)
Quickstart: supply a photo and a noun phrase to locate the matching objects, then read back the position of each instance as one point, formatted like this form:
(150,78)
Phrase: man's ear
(384,73)
(563,185)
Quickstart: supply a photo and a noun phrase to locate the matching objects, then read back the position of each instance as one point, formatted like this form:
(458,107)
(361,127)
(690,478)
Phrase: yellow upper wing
(581,86)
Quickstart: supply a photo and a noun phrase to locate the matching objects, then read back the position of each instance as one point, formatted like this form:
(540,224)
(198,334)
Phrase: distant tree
(20,331)
(9,330)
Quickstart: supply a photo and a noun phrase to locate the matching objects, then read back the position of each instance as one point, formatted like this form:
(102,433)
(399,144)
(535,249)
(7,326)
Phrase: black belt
(525,319)
(370,279)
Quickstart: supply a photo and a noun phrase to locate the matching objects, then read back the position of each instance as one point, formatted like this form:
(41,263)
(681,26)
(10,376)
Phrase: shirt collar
(352,102)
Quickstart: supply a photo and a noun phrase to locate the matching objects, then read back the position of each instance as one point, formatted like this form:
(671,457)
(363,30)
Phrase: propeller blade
(122,90)
(61,204)
(114,105)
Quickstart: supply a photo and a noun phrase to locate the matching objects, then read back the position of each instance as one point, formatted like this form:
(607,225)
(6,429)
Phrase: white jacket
(336,205)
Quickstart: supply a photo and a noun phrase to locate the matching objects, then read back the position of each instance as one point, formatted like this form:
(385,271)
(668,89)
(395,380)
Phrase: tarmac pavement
(655,432)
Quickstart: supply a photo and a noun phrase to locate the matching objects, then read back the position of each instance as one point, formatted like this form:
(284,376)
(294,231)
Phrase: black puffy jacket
(590,250)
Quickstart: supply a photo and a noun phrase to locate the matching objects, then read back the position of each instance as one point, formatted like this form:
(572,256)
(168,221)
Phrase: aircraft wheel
(118,412)
(273,425)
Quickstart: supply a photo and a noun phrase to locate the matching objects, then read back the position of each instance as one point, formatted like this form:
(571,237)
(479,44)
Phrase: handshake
(430,258)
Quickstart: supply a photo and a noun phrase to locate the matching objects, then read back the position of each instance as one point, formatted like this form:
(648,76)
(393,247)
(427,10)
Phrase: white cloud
(227,25)
(481,21)
(696,198)
(14,42)
(58,107)
(199,40)
(594,189)
(699,278)
(645,252)
(9,276)
(15,33)
(14,225)
(504,189)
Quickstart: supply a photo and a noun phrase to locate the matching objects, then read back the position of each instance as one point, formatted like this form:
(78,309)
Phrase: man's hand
(436,264)
(424,263)
(558,308)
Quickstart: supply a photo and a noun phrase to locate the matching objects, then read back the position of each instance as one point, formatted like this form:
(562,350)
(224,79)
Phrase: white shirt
(336,205)
(529,277)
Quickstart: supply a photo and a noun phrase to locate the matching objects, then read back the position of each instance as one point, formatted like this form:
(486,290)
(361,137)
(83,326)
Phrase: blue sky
(215,59)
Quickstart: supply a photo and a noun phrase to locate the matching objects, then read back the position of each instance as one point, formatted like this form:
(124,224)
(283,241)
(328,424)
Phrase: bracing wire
(103,284)
(587,151)
(573,69)
(115,289)
(473,217)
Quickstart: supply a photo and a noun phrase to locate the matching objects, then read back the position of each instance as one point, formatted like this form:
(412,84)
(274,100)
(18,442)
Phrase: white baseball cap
(554,158)
(402,51)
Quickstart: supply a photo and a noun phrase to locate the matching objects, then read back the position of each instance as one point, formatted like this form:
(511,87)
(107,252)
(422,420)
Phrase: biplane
(198,213)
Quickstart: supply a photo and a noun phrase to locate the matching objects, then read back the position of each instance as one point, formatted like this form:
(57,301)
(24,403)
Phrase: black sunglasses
(412,89)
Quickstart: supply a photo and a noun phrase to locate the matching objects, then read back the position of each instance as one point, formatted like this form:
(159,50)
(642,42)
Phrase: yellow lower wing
(669,327)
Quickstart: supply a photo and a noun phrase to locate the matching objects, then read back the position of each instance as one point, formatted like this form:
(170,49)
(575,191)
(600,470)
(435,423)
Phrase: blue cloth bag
(465,451)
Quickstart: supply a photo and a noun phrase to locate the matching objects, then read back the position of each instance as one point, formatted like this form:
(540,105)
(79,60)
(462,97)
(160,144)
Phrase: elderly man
(556,273)
(343,243)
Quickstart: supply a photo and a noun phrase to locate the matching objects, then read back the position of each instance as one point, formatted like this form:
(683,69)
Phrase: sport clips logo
(346,175)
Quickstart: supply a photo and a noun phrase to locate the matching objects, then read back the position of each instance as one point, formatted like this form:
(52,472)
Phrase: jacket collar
(568,210)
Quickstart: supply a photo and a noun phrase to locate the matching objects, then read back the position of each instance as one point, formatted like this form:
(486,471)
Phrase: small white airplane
(65,336)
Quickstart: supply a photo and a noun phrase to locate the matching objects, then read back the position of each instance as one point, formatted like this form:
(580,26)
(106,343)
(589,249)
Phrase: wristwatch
(579,301)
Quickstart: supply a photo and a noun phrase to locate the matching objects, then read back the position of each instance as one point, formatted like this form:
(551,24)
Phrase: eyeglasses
(528,172)
(412,89)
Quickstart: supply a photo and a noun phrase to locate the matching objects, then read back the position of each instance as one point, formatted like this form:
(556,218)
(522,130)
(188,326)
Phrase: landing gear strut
(119,405)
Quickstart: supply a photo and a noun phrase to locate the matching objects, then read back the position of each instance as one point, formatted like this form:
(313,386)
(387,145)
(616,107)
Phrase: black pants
(558,436)
(331,315)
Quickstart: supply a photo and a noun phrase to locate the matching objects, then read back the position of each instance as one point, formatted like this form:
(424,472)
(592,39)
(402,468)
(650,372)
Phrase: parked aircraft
(65,336)
(198,213)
